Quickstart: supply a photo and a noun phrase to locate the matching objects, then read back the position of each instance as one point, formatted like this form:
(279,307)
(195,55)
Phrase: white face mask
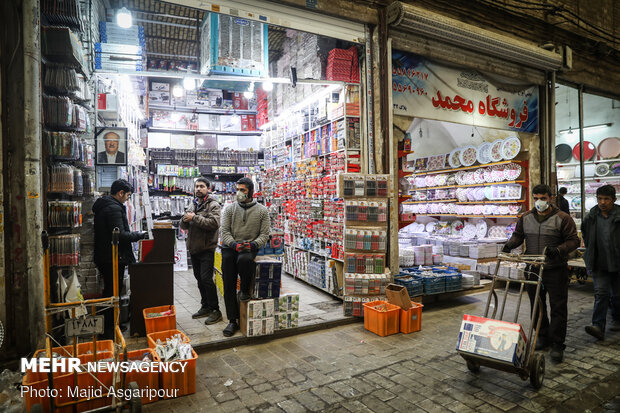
(241,197)
(541,206)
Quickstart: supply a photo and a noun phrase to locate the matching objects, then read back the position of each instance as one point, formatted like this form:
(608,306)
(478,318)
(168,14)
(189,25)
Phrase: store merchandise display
(174,205)
(120,48)
(365,238)
(263,317)
(64,250)
(267,279)
(64,214)
(59,112)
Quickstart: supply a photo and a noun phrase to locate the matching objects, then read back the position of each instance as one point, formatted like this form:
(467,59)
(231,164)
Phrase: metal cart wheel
(537,370)
(473,366)
(135,403)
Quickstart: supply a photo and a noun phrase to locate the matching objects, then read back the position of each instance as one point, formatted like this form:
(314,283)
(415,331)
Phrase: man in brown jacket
(202,220)
(546,226)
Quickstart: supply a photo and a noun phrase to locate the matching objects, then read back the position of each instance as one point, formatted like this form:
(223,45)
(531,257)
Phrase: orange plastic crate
(163,335)
(102,346)
(38,383)
(411,320)
(163,323)
(184,382)
(382,323)
(144,380)
(60,350)
(85,380)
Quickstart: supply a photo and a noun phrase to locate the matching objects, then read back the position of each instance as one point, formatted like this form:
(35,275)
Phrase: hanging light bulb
(123,18)
(267,85)
(189,83)
(177,91)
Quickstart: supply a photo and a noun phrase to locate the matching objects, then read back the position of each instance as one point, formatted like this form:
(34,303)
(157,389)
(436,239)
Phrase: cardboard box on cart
(492,339)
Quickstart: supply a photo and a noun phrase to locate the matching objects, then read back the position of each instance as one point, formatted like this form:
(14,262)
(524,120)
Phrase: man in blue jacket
(110,213)
(601,237)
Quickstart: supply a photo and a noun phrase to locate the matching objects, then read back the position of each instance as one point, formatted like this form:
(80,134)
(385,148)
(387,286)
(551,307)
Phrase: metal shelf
(596,178)
(464,168)
(587,162)
(212,132)
(192,109)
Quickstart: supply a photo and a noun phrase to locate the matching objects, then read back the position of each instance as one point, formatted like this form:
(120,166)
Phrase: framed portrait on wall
(111,146)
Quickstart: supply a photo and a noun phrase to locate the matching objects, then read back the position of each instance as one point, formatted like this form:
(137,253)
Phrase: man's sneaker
(557,353)
(595,331)
(541,344)
(203,312)
(231,329)
(214,317)
(615,325)
(244,296)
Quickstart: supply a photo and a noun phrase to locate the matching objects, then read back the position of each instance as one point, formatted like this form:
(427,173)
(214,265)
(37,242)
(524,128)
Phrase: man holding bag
(546,228)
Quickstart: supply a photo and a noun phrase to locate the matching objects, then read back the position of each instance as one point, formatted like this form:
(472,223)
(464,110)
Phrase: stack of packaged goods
(366,212)
(263,317)
(267,279)
(343,65)
(287,311)
(120,49)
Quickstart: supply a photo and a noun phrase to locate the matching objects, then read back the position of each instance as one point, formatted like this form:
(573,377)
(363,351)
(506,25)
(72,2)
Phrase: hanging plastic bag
(73,293)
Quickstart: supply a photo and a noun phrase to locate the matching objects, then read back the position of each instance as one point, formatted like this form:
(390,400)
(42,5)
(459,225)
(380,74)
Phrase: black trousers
(234,263)
(106,271)
(202,265)
(554,285)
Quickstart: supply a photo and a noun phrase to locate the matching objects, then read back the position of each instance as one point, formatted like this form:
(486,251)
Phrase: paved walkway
(349,369)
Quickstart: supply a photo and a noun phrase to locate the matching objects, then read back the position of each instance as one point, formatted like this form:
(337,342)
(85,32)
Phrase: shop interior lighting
(123,18)
(177,91)
(200,141)
(175,116)
(249,94)
(417,20)
(189,83)
(267,85)
(570,130)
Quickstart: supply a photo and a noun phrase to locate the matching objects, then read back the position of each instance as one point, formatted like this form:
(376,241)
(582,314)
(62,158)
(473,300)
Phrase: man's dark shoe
(557,353)
(203,312)
(615,325)
(595,331)
(231,329)
(244,296)
(213,317)
(541,344)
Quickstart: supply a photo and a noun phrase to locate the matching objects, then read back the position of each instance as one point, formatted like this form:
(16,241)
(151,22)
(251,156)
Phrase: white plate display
(511,147)
(469,231)
(457,226)
(430,227)
(602,169)
(483,153)
(496,150)
(453,158)
(468,156)
(481,229)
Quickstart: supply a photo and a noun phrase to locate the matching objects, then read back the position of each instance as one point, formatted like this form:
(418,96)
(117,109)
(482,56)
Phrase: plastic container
(163,335)
(162,323)
(147,379)
(183,381)
(64,351)
(434,285)
(85,380)
(102,345)
(38,383)
(411,320)
(412,283)
(454,282)
(382,323)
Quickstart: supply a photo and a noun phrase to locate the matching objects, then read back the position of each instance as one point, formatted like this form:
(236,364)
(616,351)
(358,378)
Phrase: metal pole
(582,181)
(551,125)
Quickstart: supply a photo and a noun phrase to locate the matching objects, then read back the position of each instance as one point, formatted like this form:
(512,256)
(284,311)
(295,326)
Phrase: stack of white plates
(467,281)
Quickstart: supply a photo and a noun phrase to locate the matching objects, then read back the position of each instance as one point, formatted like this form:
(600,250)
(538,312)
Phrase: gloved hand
(238,246)
(247,246)
(552,252)
(253,246)
(506,249)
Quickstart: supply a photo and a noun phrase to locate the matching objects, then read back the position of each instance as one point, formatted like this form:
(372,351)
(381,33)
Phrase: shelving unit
(206,132)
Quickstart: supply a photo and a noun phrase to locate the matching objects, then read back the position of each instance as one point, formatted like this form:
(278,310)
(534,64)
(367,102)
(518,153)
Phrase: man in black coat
(110,213)
(562,202)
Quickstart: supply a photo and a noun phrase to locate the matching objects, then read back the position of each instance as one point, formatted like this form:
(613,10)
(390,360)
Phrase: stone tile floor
(350,369)
(315,307)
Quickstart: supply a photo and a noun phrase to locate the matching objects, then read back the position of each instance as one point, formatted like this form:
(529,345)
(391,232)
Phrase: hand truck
(533,366)
(118,381)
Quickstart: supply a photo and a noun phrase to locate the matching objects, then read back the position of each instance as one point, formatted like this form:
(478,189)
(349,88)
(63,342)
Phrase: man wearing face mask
(546,226)
(245,229)
(202,220)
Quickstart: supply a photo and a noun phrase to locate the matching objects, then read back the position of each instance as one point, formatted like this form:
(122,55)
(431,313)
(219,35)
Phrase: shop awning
(416,30)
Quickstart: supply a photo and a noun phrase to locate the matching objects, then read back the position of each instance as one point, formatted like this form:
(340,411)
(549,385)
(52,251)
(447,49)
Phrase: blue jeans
(606,293)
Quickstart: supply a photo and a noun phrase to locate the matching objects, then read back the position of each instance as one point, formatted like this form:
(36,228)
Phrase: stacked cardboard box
(257,317)
(120,49)
(268,278)
(286,311)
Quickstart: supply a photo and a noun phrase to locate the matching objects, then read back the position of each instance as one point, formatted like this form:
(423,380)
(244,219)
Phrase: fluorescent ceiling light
(570,130)
(267,86)
(189,83)
(177,91)
(123,18)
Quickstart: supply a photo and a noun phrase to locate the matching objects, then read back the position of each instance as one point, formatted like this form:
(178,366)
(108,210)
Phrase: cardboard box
(398,295)
(287,302)
(493,339)
(162,87)
(286,320)
(256,310)
(260,327)
(162,98)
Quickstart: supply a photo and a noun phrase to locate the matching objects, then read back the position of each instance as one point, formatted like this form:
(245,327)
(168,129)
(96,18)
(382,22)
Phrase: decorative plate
(457,226)
(481,229)
(511,147)
(479,176)
(589,150)
(563,153)
(590,203)
(482,153)
(575,203)
(602,169)
(421,164)
(510,228)
(609,148)
(512,171)
(488,174)
(453,158)
(436,162)
(468,156)
(469,231)
(430,227)
(496,150)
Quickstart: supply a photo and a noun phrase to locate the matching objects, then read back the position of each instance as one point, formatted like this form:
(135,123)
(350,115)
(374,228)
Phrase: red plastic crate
(411,320)
(382,323)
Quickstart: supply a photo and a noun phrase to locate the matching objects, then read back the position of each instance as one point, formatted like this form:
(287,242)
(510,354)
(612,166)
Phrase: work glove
(253,246)
(552,252)
(238,246)
(506,249)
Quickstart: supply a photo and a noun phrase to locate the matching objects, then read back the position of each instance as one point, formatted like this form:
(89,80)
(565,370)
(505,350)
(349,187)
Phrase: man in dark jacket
(601,237)
(545,226)
(202,220)
(562,202)
(110,213)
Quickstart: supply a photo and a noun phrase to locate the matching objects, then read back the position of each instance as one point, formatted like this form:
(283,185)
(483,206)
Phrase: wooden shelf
(429,201)
(469,216)
(471,185)
(465,168)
